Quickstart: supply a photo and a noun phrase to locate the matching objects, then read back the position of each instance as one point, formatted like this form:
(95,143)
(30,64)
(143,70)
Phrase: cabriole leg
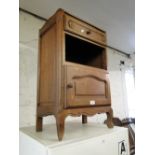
(60,122)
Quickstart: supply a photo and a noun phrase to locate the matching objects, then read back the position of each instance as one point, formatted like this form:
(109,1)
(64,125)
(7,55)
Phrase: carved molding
(80,112)
(89,76)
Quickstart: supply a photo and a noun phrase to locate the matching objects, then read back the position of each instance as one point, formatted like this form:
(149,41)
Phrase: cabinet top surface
(74,132)
(60,11)
(65,12)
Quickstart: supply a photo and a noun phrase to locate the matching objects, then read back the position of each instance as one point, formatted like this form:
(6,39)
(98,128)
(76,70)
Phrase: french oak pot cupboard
(72,71)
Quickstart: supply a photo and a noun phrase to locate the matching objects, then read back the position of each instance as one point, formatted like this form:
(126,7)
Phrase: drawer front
(85,30)
(86,87)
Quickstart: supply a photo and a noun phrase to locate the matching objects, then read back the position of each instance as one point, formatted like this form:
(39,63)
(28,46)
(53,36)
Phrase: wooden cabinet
(72,71)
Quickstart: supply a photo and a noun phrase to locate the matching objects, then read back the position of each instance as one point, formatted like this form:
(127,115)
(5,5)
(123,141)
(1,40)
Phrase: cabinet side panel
(47,82)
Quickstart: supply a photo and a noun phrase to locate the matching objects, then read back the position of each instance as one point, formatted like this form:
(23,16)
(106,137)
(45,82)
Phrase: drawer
(85,30)
(86,87)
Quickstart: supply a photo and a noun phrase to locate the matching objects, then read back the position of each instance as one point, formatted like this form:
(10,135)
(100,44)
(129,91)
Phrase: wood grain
(67,88)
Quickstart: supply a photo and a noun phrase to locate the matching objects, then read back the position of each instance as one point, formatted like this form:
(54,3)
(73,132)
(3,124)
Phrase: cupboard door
(86,87)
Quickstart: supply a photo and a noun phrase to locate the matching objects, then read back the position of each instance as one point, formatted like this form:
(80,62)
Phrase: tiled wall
(28,52)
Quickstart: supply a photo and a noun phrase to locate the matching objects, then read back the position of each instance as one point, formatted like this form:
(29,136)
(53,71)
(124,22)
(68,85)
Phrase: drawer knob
(82,30)
(88,32)
(69,85)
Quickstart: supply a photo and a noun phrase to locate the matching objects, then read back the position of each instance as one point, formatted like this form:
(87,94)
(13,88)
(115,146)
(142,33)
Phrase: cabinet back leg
(39,123)
(84,119)
(109,118)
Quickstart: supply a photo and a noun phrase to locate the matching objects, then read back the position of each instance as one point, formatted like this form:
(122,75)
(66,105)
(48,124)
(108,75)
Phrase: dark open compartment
(83,52)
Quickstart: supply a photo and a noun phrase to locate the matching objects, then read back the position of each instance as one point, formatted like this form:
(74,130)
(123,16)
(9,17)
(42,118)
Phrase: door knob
(69,85)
